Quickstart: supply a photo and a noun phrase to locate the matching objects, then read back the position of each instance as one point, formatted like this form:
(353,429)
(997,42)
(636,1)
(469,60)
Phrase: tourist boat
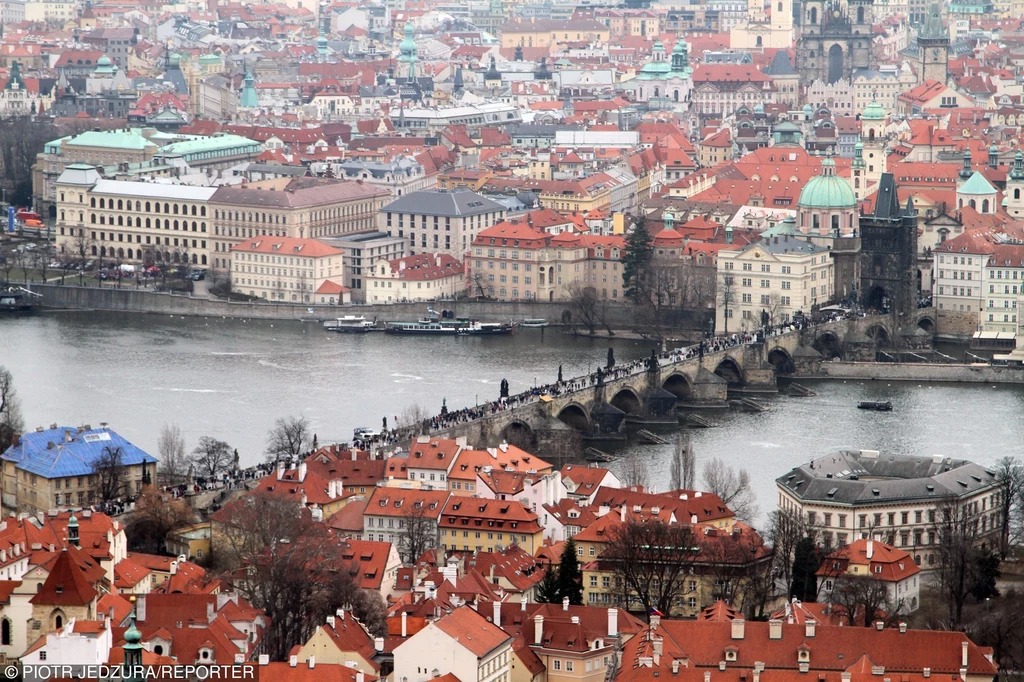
(475,328)
(877,406)
(425,326)
(16,301)
(534,322)
(350,324)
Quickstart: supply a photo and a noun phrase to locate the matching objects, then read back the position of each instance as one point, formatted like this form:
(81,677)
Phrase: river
(231,379)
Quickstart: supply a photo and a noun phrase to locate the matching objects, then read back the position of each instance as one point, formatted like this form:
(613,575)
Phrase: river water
(231,378)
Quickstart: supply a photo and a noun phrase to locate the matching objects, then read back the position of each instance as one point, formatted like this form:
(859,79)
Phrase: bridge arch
(679,385)
(576,416)
(829,345)
(628,401)
(730,370)
(520,434)
(926,323)
(781,360)
(880,335)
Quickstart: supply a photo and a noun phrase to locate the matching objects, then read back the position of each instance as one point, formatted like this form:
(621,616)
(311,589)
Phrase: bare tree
(586,307)
(155,515)
(417,532)
(651,560)
(784,531)
(11,421)
(173,460)
(684,463)
(866,600)
(212,457)
(726,297)
(289,439)
(82,245)
(7,264)
(1010,473)
(633,472)
(65,263)
(41,262)
(414,417)
(111,475)
(733,487)
(956,528)
(23,260)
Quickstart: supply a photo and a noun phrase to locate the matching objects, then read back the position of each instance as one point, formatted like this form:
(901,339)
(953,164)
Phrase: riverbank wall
(884,371)
(617,315)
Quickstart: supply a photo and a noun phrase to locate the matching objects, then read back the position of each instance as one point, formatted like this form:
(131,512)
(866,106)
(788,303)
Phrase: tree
(806,562)
(1011,474)
(23,260)
(785,531)
(289,439)
(7,264)
(633,472)
(733,487)
(417,532)
(11,422)
(21,140)
(683,470)
(173,460)
(956,529)
(155,515)
(865,600)
(41,262)
(110,472)
(986,573)
(587,308)
(293,569)
(547,591)
(211,457)
(652,560)
(726,297)
(82,245)
(636,260)
(570,577)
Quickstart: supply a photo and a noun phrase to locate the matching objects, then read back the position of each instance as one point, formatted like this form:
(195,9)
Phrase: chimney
(613,622)
(879,625)
(565,603)
(378,643)
(280,469)
(312,662)
(497,612)
(264,659)
(405,630)
(174,568)
(523,600)
(330,621)
(809,627)
(538,629)
(293,661)
(675,667)
(738,627)
(871,549)
(963,652)
(302,472)
(140,608)
(622,513)
(903,628)
(775,629)
(360,677)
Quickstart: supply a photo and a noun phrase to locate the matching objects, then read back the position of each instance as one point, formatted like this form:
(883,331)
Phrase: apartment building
(462,645)
(488,525)
(424,277)
(771,279)
(860,494)
(440,222)
(389,510)
(299,208)
(284,268)
(874,560)
(959,287)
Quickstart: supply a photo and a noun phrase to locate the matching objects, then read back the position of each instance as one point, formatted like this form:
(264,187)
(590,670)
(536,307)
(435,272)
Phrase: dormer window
(803,655)
(730,654)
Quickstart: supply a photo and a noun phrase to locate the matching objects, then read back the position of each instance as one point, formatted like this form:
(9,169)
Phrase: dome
(808,109)
(828,190)
(654,70)
(758,108)
(104,61)
(408,44)
(873,112)
(976,185)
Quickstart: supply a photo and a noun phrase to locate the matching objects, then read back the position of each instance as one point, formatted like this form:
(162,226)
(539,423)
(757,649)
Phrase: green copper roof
(976,185)
(118,139)
(786,227)
(199,145)
(873,112)
(210,59)
(827,190)
(248,98)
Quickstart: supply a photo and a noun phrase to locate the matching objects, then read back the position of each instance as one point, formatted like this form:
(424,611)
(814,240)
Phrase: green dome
(408,44)
(808,109)
(873,112)
(828,190)
(976,185)
(655,70)
(103,61)
(758,108)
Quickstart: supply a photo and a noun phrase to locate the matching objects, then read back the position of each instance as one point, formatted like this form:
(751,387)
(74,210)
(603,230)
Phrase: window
(556,664)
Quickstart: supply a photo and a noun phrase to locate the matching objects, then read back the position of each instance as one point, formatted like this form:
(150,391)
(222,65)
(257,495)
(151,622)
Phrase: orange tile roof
(286,246)
(472,631)
(66,584)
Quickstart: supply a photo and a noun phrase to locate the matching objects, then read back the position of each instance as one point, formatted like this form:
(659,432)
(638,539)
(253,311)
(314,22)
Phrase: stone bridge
(652,395)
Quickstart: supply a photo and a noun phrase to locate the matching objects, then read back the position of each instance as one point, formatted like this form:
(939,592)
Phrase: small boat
(426,326)
(486,328)
(535,322)
(16,301)
(350,324)
(874,405)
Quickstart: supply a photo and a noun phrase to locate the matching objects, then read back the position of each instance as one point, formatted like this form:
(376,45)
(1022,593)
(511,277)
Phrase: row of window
(147,207)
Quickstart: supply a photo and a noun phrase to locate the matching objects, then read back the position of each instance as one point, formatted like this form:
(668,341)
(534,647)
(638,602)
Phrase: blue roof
(63,452)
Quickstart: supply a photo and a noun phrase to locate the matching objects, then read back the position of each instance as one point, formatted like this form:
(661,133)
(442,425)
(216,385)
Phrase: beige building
(764,30)
(440,222)
(778,276)
(514,261)
(283,268)
(545,33)
(131,222)
(297,208)
(425,277)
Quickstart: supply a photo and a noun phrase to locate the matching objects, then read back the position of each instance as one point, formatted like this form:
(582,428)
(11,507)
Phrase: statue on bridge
(444,406)
(611,357)
(652,362)
(559,374)
(504,388)
(600,377)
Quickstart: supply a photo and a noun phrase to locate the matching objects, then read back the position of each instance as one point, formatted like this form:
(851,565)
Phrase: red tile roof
(471,630)
(66,585)
(286,246)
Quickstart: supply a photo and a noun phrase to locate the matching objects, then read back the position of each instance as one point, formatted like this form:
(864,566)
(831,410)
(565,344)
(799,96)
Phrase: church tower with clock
(933,48)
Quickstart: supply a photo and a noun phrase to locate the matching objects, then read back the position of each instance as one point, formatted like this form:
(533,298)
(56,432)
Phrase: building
(131,222)
(399,176)
(342,640)
(720,89)
(832,40)
(361,251)
(191,542)
(463,645)
(64,466)
(858,494)
(426,277)
(297,208)
(546,33)
(889,278)
(761,30)
(284,268)
(389,510)
(440,222)
(770,280)
(665,81)
(488,525)
(874,560)
(930,94)
(436,119)
(958,288)
(933,48)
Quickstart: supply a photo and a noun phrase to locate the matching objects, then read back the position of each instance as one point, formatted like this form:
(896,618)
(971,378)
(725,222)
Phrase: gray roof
(538,129)
(451,204)
(865,478)
(781,65)
(399,166)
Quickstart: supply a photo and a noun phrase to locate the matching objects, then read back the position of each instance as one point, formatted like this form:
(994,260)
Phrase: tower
(321,47)
(132,645)
(1014,200)
(857,171)
(933,47)
(832,40)
(248,100)
(873,137)
(888,255)
(782,15)
(408,51)
(73,531)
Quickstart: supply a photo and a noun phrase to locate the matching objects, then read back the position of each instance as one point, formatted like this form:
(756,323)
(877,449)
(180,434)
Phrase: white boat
(350,324)
(534,322)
